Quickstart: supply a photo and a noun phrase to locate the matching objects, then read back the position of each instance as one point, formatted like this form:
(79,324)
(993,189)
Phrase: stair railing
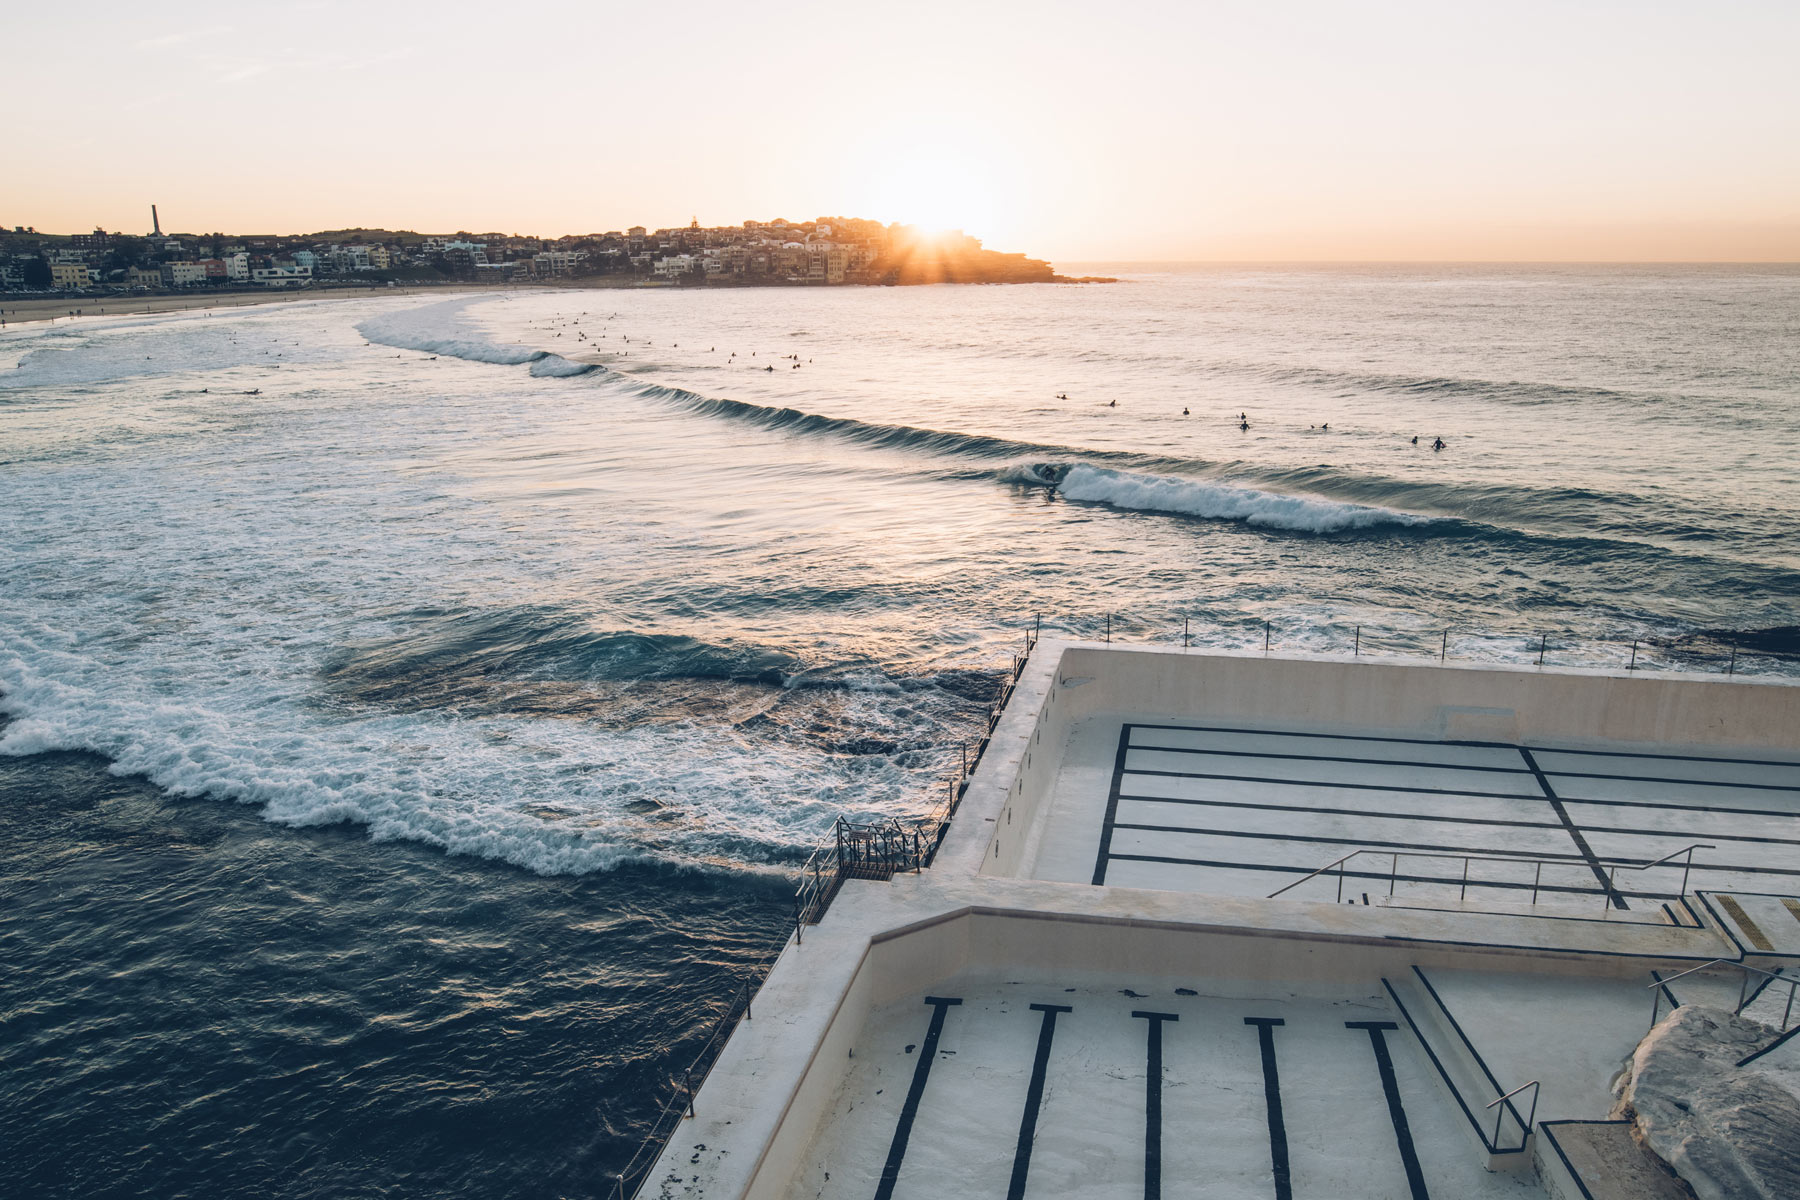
(1501,1103)
(1745,996)
(1612,866)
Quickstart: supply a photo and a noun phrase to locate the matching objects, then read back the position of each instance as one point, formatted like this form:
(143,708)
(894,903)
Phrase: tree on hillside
(37,272)
(124,252)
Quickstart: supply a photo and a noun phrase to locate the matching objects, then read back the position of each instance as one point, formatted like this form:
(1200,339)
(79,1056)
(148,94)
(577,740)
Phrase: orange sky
(1517,131)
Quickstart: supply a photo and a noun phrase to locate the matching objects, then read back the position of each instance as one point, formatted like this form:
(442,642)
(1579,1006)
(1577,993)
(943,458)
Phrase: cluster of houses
(826,251)
(159,262)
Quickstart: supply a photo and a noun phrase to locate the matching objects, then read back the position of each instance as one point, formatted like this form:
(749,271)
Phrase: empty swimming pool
(1246,811)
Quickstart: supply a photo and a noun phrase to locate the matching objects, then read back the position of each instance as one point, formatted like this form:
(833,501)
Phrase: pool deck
(1090,991)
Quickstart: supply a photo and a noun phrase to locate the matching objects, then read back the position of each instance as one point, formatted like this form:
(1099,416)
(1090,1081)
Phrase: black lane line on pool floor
(1330,737)
(1324,810)
(1375,876)
(1153,1085)
(1384,1063)
(1581,843)
(1331,758)
(1448,766)
(1439,819)
(1034,1099)
(1290,781)
(1112,806)
(921,1072)
(1278,1147)
(1406,741)
(1429,850)
(1439,849)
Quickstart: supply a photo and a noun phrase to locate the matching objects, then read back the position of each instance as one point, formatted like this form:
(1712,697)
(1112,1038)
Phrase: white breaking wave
(555,366)
(434,329)
(431,329)
(1222,502)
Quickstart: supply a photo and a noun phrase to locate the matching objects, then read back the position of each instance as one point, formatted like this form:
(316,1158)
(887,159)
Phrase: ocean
(415,706)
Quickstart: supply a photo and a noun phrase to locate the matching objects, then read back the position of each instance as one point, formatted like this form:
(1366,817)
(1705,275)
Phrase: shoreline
(21,312)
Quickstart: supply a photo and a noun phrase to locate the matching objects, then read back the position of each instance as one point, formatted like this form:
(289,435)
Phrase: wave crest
(555,366)
(430,329)
(1221,502)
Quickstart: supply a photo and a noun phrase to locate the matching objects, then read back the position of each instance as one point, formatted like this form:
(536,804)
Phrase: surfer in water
(1437,444)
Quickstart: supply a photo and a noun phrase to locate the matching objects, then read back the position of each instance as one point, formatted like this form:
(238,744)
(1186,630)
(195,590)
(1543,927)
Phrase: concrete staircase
(1600,1160)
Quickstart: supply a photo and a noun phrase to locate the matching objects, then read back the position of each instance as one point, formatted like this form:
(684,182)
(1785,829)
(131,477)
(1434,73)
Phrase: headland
(825,252)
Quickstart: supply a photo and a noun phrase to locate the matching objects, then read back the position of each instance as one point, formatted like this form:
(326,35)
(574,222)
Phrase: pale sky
(1455,129)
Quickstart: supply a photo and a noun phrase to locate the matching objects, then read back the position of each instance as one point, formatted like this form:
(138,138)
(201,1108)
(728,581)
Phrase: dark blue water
(195,1002)
(415,710)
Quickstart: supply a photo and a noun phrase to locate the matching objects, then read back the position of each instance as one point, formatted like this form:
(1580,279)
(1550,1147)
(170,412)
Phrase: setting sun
(938,175)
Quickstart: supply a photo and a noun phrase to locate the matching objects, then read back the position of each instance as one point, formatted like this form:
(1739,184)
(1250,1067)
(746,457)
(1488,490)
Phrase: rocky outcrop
(1730,1132)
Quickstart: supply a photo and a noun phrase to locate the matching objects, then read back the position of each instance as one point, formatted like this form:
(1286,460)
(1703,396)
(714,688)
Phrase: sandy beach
(17,312)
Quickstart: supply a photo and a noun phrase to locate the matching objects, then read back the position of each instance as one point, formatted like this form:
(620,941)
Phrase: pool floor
(1247,811)
(1083,1086)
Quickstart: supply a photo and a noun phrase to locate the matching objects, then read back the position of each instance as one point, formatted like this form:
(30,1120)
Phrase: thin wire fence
(1759,652)
(680,1104)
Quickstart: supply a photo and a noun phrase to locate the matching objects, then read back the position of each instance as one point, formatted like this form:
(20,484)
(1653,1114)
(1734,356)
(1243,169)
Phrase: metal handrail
(680,1103)
(1613,866)
(1529,1121)
(1744,997)
(1688,866)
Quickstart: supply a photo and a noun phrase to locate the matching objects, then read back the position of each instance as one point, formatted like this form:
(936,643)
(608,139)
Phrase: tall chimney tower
(155,225)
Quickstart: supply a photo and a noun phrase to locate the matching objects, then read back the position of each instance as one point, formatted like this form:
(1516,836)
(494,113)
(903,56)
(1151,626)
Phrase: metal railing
(1471,1062)
(680,1104)
(1503,1103)
(1745,996)
(1609,894)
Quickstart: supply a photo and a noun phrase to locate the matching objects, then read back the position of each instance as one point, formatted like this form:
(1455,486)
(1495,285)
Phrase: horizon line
(1438,262)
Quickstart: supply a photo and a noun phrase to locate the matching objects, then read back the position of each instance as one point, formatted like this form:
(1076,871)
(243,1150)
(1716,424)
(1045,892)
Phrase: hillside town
(828,251)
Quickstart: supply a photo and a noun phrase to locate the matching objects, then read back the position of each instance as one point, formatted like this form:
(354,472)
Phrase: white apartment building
(555,262)
(294,276)
(182,274)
